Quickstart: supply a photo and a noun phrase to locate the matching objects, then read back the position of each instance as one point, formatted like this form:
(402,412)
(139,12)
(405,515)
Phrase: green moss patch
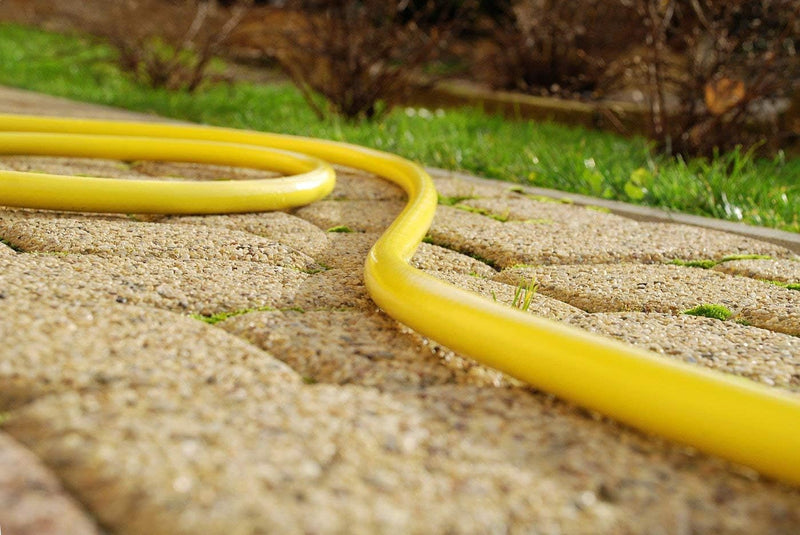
(482,211)
(341,229)
(708,263)
(787,285)
(213,319)
(454,200)
(703,264)
(718,312)
(11,245)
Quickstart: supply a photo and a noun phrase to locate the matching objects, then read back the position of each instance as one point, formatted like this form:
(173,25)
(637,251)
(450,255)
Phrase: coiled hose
(717,413)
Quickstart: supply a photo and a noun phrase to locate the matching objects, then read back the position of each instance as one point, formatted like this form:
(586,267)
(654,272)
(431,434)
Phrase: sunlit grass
(734,186)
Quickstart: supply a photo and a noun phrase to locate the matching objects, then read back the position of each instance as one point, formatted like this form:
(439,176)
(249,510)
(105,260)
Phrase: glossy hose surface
(720,414)
(312,180)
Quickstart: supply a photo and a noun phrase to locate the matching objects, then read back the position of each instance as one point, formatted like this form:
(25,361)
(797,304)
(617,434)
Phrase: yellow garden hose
(720,414)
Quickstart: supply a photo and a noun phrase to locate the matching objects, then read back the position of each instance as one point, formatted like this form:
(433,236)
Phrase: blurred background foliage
(709,74)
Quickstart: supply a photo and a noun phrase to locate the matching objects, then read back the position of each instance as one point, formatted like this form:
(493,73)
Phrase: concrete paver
(360,186)
(116,237)
(459,189)
(503,293)
(433,258)
(336,459)
(80,348)
(189,286)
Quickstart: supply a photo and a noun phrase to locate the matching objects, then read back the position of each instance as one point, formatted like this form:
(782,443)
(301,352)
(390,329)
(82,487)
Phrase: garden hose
(728,416)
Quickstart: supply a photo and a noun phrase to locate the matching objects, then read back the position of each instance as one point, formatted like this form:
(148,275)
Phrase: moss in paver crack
(719,312)
(11,245)
(341,229)
(601,209)
(708,263)
(731,258)
(488,261)
(318,267)
(50,253)
(222,316)
(703,264)
(787,285)
(482,211)
(452,201)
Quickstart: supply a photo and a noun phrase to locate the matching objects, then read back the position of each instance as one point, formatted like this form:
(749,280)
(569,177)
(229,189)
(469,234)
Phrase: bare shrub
(718,74)
(360,55)
(169,44)
(554,47)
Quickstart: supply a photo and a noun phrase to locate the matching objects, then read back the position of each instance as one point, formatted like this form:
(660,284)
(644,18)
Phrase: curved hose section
(312,180)
(720,414)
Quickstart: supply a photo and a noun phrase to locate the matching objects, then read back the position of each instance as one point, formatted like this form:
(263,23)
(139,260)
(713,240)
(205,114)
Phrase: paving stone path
(229,374)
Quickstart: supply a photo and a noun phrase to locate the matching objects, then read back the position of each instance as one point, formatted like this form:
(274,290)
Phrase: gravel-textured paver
(431,257)
(356,185)
(339,459)
(500,292)
(191,286)
(116,237)
(455,188)
(305,409)
(81,348)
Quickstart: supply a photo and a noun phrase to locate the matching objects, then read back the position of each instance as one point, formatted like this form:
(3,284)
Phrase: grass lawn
(733,186)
